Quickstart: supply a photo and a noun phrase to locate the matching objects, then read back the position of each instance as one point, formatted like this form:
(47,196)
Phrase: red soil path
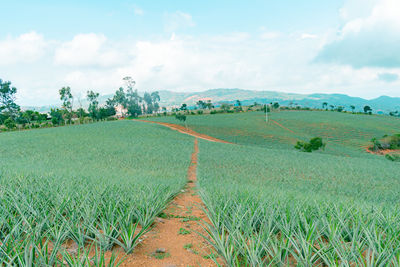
(184,212)
(184,130)
(280,125)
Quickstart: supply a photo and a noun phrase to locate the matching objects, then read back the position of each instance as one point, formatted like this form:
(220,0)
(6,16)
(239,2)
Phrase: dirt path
(174,235)
(184,130)
(280,125)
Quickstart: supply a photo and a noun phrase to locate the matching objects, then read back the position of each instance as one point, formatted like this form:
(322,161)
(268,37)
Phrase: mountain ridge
(383,104)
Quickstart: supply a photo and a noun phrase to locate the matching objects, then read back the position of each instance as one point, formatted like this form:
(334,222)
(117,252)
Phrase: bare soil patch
(382,151)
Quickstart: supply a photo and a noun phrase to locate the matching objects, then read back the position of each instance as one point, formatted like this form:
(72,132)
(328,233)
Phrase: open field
(71,195)
(345,134)
(63,188)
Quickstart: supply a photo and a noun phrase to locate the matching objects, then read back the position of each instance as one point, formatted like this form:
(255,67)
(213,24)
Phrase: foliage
(367,109)
(183,107)
(314,144)
(386,142)
(93,104)
(393,156)
(56,116)
(7,99)
(89,185)
(225,107)
(340,109)
(67,98)
(181,117)
(10,123)
(205,104)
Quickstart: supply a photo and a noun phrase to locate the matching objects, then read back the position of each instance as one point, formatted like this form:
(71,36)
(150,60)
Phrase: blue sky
(336,46)
(116,19)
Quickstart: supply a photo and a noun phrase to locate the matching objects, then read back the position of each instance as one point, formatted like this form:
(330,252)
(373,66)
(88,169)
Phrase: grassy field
(100,184)
(345,134)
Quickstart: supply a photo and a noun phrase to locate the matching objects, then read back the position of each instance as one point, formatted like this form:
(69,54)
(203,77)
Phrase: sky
(308,46)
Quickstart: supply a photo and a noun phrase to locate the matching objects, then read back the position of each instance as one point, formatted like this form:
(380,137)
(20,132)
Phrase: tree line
(127,98)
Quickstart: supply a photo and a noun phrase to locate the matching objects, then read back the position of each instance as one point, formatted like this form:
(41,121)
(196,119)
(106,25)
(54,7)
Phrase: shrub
(393,157)
(314,144)
(199,112)
(213,112)
(386,142)
(180,117)
(10,124)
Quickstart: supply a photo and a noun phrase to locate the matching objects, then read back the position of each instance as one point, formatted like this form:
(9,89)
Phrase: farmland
(71,195)
(276,207)
(271,205)
(349,134)
(100,184)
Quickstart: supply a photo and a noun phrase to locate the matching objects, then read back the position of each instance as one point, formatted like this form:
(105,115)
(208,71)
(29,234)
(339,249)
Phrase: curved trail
(176,234)
(184,130)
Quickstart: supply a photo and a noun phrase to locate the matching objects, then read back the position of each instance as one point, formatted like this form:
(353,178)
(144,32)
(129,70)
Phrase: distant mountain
(382,104)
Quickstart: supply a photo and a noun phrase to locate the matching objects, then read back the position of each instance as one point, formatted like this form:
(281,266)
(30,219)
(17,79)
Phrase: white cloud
(367,40)
(25,48)
(308,36)
(187,63)
(177,21)
(353,9)
(138,11)
(87,50)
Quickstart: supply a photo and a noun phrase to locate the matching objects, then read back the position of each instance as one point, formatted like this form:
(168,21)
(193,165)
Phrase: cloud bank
(362,60)
(368,41)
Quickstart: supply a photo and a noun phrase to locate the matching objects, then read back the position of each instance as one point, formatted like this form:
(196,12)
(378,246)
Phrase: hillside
(345,134)
(382,104)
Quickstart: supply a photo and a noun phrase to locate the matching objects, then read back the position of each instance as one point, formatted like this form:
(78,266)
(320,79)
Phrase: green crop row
(345,134)
(66,192)
(271,207)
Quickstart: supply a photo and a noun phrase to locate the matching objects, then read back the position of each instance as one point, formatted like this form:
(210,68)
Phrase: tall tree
(324,105)
(68,99)
(133,99)
(183,107)
(56,116)
(209,104)
(93,105)
(155,96)
(352,108)
(148,107)
(120,97)
(8,107)
(367,109)
(275,105)
(201,104)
